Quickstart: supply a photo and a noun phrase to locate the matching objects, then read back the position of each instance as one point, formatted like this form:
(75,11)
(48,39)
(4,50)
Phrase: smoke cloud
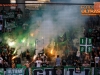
(60,19)
(54,20)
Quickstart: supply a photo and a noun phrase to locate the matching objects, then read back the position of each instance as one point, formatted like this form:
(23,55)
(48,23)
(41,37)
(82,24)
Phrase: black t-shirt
(92,63)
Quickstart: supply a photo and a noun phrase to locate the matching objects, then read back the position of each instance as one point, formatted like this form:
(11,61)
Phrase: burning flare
(34,58)
(14,57)
(51,51)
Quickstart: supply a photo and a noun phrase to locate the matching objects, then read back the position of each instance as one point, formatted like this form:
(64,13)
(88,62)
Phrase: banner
(59,71)
(85,45)
(62,38)
(1,71)
(77,69)
(97,71)
(16,71)
(72,71)
(67,70)
(43,71)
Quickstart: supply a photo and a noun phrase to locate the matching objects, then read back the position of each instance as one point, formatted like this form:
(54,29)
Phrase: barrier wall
(1,71)
(54,71)
(62,71)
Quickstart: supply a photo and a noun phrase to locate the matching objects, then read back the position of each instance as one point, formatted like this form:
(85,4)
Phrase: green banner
(16,71)
(1,71)
(97,71)
(89,41)
(89,49)
(85,45)
(82,48)
(68,70)
(83,41)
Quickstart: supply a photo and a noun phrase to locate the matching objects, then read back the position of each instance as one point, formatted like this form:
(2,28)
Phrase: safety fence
(67,70)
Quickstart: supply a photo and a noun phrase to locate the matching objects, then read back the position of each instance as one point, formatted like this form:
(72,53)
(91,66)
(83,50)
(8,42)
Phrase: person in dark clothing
(44,64)
(10,58)
(28,55)
(5,65)
(92,62)
(28,69)
(63,62)
(74,62)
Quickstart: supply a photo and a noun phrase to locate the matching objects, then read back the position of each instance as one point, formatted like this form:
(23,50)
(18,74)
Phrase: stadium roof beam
(56,3)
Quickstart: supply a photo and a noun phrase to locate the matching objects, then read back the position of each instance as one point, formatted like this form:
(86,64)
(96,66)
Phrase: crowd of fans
(92,30)
(9,59)
(10,19)
(6,56)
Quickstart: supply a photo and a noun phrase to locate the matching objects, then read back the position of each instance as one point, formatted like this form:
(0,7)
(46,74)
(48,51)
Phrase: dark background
(4,1)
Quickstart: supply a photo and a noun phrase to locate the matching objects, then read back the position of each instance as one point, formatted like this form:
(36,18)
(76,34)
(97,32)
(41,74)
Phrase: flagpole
(43,44)
(35,45)
(57,47)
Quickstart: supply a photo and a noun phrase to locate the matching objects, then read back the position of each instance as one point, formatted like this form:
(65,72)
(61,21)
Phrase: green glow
(23,40)
(34,44)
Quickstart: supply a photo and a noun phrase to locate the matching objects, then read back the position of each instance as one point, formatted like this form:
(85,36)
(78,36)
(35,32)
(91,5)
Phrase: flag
(62,38)
(39,44)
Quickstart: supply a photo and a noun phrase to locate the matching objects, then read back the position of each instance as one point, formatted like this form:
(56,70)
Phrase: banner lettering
(67,71)
(16,71)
